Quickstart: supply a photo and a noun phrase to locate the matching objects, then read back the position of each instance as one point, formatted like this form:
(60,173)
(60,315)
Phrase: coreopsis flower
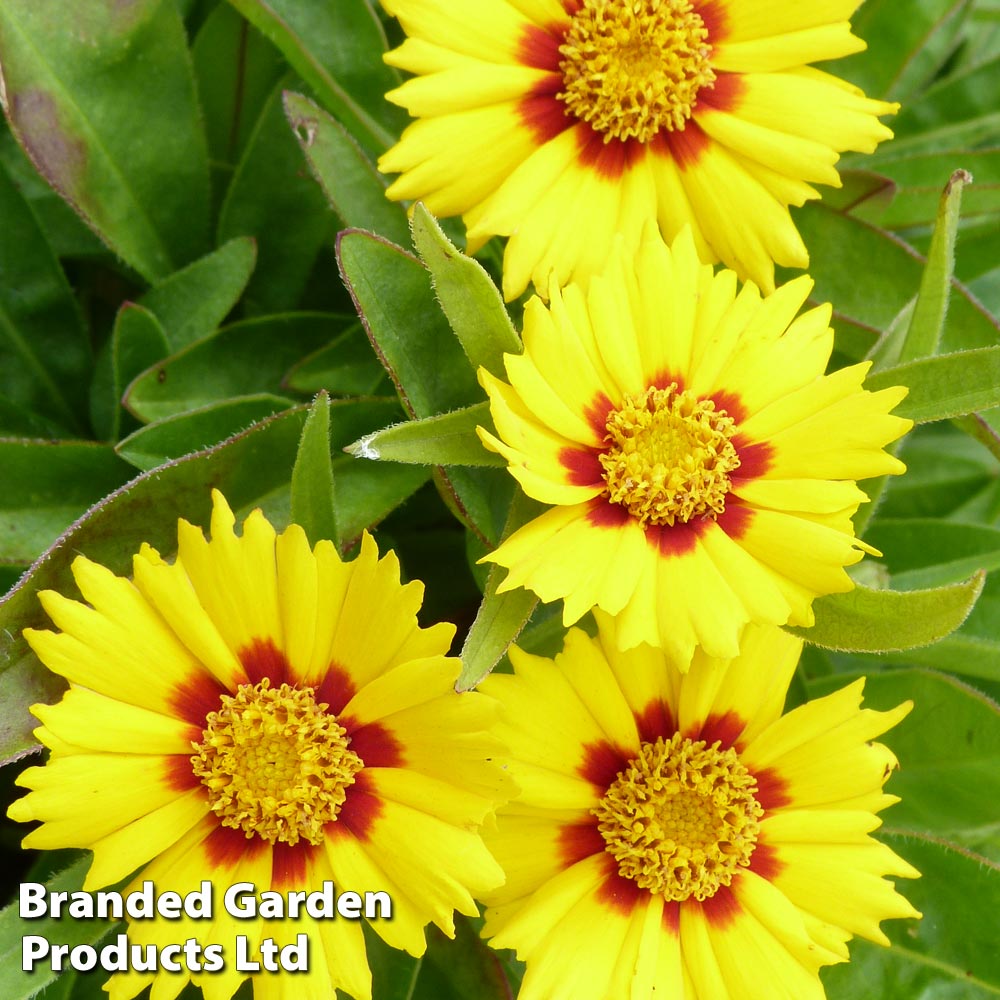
(259,711)
(699,464)
(676,835)
(560,123)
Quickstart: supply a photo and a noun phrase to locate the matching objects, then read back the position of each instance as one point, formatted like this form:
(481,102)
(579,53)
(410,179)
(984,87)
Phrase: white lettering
(31,900)
(243,962)
(33,947)
(349,905)
(236,902)
(384,901)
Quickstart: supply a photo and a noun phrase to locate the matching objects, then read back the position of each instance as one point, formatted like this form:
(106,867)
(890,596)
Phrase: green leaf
(17,422)
(394,972)
(949,385)
(66,233)
(959,110)
(23,682)
(468,296)
(479,497)
(237,69)
(949,955)
(273,199)
(242,359)
(461,968)
(196,429)
(193,302)
(46,486)
(15,984)
(248,468)
(312,475)
(352,185)
(501,616)
(337,49)
(137,341)
(873,621)
(135,169)
(959,653)
(344,367)
(44,351)
(943,468)
(365,492)
(981,430)
(927,324)
(392,292)
(448,439)
(927,552)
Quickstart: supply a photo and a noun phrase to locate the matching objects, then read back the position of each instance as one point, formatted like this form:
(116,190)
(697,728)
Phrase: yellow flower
(675,835)
(700,463)
(260,712)
(560,123)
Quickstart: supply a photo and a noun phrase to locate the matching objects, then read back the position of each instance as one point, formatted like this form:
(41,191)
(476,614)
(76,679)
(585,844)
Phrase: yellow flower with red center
(699,463)
(676,835)
(260,711)
(560,123)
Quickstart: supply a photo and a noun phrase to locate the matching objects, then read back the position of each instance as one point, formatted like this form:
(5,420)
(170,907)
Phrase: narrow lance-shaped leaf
(245,358)
(468,296)
(501,616)
(927,324)
(196,429)
(949,385)
(136,343)
(448,439)
(352,185)
(873,621)
(365,493)
(409,333)
(44,350)
(337,49)
(191,303)
(273,199)
(925,552)
(392,292)
(312,475)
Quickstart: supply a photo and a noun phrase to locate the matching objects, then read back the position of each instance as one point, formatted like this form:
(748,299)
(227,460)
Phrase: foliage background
(173,179)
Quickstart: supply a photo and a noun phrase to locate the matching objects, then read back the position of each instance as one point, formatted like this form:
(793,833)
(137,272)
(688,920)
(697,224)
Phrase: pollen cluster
(681,818)
(669,456)
(631,68)
(275,764)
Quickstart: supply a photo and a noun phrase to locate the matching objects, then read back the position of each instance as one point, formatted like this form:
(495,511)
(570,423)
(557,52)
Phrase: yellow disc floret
(669,456)
(633,67)
(681,818)
(275,764)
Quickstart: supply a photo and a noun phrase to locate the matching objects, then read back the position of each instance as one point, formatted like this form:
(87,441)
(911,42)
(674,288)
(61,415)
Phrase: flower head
(687,840)
(257,711)
(699,463)
(560,123)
